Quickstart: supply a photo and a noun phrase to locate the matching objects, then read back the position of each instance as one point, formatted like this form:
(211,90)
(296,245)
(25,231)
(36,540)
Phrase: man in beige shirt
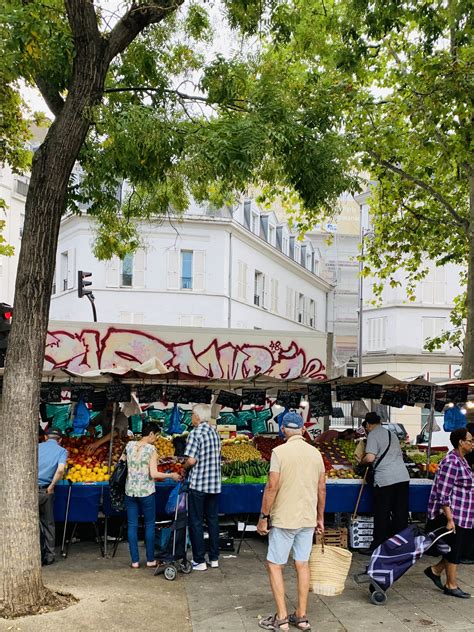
(292,508)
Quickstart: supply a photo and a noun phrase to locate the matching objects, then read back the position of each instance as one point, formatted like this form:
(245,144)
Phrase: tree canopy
(405,78)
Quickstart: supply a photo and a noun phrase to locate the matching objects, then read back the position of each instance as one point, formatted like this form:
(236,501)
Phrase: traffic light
(82,284)
(6,313)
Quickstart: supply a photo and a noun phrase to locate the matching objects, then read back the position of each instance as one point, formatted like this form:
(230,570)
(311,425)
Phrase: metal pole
(111,446)
(361,304)
(94,312)
(430,428)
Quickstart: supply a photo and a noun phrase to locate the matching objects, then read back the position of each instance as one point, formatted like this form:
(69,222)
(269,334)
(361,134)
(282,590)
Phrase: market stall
(247,412)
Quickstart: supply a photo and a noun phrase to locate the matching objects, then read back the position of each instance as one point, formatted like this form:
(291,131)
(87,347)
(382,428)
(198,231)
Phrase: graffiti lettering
(111,347)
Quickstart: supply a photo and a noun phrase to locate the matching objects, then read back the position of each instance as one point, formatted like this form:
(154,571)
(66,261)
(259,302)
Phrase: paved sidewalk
(115,598)
(232,598)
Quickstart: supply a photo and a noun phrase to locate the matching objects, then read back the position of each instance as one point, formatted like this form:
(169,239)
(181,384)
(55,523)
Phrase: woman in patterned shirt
(142,461)
(451,505)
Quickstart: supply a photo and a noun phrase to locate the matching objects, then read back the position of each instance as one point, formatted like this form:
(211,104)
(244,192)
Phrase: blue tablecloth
(86,499)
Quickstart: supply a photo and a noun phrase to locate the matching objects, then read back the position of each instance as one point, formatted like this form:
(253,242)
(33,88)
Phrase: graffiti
(81,350)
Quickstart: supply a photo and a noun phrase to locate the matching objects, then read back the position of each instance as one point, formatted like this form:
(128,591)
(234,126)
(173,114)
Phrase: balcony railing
(187,283)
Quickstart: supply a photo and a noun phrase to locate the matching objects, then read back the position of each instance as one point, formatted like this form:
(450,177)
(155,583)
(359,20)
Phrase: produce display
(239,449)
(256,469)
(164,447)
(265,445)
(334,453)
(171,465)
(84,468)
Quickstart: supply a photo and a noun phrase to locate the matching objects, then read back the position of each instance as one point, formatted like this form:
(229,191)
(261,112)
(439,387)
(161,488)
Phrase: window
(21,186)
(312,313)
(259,289)
(64,271)
(274,295)
(247,205)
(191,320)
(186,269)
(434,286)
(376,334)
(53,287)
(132,318)
(242,281)
(255,223)
(284,244)
(300,318)
(128,272)
(297,253)
(302,261)
(271,235)
(309,258)
(290,303)
(126,277)
(432,326)
(291,252)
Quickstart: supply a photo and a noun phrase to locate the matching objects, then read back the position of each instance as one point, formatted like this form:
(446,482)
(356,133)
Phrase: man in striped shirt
(203,452)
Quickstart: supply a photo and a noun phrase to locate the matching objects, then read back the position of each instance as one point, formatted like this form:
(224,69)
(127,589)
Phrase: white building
(395,331)
(13,190)
(239,269)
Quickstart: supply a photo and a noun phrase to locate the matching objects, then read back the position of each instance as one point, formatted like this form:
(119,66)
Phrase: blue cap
(292,420)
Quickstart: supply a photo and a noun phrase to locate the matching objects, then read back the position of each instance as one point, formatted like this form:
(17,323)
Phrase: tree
(115,85)
(406,77)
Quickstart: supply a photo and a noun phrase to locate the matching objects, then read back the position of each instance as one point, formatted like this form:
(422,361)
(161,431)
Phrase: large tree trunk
(468,358)
(21,586)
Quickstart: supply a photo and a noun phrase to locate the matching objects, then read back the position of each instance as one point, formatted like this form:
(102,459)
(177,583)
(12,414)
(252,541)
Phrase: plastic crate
(334,536)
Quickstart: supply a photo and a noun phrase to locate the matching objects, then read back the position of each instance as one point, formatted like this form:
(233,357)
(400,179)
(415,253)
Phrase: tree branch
(53,99)
(135,21)
(461,221)
(181,95)
(83,21)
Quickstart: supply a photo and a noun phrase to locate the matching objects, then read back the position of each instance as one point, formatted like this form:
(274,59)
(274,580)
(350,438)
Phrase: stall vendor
(104,420)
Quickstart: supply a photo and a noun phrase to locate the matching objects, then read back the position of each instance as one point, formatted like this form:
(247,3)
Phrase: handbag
(328,568)
(370,477)
(117,485)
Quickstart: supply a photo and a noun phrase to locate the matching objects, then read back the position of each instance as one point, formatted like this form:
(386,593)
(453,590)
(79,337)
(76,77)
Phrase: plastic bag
(176,497)
(81,418)
(453,419)
(175,426)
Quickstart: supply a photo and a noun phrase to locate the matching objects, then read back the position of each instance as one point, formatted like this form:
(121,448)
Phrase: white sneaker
(214,564)
(199,567)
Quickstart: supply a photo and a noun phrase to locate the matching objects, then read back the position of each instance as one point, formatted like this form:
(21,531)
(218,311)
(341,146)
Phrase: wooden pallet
(334,537)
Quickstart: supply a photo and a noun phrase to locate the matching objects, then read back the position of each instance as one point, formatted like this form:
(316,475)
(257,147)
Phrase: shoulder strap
(385,453)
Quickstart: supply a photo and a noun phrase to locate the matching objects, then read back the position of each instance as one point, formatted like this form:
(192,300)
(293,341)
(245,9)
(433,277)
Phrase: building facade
(238,268)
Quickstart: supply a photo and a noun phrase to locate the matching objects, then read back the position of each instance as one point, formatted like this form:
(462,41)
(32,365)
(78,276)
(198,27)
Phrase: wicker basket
(334,537)
(329,567)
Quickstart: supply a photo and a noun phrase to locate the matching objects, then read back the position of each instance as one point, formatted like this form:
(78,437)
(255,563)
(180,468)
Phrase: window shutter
(173,269)
(275,295)
(199,270)
(125,317)
(265,291)
(185,320)
(245,280)
(71,268)
(112,272)
(240,280)
(139,268)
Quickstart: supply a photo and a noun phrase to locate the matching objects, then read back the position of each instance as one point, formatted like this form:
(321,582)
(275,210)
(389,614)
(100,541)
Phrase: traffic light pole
(92,302)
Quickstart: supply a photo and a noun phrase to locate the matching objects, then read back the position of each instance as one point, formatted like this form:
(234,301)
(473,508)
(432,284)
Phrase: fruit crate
(334,536)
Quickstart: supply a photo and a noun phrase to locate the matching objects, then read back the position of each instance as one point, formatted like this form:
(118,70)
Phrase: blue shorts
(282,541)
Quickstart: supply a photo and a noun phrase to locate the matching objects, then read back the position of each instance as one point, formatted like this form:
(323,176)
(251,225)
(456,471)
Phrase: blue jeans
(144,505)
(200,506)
